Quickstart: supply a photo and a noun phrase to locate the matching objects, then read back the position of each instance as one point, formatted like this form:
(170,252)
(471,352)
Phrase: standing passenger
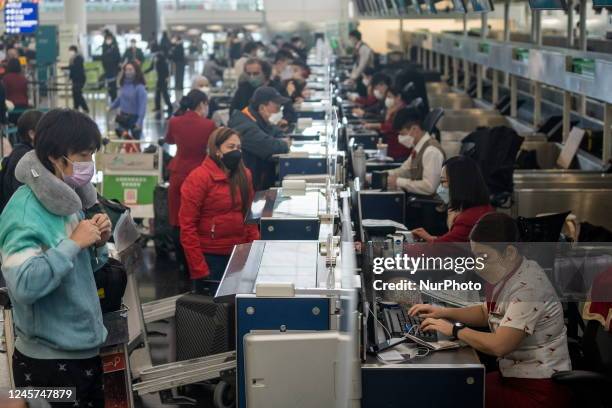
(132,101)
(215,198)
(77,76)
(190,131)
(48,260)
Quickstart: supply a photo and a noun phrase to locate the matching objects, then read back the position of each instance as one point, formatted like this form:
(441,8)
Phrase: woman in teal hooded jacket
(49,253)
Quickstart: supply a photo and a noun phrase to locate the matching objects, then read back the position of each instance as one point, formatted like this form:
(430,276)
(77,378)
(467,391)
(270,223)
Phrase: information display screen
(602,3)
(21,17)
(548,4)
(481,6)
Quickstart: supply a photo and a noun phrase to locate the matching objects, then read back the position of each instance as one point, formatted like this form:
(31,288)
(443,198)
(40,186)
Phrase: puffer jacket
(210,223)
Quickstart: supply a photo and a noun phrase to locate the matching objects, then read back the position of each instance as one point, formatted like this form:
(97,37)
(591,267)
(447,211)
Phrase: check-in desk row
(295,319)
(294,215)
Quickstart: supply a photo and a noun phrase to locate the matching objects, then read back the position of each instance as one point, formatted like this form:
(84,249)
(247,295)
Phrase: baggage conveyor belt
(171,375)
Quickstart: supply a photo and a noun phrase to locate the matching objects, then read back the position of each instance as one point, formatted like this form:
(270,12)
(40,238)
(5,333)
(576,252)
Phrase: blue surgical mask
(443,193)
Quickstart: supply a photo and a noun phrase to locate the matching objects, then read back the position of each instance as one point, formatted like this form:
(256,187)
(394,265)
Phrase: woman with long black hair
(215,198)
(465,193)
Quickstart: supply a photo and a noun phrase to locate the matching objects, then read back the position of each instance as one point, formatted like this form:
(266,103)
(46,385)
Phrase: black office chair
(591,379)
(431,120)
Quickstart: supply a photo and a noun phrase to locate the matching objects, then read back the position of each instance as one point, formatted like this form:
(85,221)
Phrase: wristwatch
(456,328)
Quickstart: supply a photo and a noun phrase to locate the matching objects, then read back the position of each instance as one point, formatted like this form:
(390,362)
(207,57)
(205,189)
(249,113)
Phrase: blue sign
(21,17)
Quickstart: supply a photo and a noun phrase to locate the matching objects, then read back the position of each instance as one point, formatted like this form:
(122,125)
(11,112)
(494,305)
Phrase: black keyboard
(412,326)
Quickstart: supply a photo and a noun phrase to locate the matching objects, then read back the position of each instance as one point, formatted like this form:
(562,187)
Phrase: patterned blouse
(529,302)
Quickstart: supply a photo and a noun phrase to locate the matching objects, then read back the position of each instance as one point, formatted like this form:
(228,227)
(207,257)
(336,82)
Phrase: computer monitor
(431,6)
(420,6)
(548,4)
(602,3)
(482,6)
(459,6)
(443,6)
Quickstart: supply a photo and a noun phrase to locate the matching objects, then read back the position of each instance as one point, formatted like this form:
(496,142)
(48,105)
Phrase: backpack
(495,150)
(111,281)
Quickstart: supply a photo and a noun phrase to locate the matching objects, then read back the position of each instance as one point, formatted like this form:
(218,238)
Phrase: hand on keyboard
(413,327)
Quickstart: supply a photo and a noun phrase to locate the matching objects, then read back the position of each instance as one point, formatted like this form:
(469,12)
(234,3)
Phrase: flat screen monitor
(420,6)
(21,17)
(443,6)
(602,3)
(481,6)
(459,6)
(430,6)
(548,4)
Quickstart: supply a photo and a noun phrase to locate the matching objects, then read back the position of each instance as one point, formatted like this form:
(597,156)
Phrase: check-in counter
(457,124)
(437,88)
(547,190)
(450,100)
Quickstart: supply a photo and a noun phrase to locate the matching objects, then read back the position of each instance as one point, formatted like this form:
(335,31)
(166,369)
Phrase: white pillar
(75,19)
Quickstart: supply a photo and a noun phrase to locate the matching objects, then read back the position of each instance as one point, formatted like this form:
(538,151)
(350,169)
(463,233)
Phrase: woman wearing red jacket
(16,89)
(215,198)
(190,130)
(463,189)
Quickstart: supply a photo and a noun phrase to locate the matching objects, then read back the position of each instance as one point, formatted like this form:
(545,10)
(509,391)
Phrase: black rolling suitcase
(162,230)
(203,327)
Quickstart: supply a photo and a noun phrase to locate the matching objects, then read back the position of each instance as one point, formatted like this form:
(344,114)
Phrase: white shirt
(432,168)
(528,302)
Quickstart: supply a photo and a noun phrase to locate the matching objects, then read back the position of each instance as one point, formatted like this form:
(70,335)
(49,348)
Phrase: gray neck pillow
(55,195)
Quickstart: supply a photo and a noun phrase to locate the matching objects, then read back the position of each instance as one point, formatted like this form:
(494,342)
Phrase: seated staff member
(394,102)
(528,333)
(364,95)
(420,173)
(261,138)
(464,191)
(189,130)
(215,198)
(380,85)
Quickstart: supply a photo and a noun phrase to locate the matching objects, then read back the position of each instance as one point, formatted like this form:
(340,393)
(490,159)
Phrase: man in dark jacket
(76,70)
(256,73)
(111,59)
(25,132)
(133,54)
(160,65)
(260,137)
(178,57)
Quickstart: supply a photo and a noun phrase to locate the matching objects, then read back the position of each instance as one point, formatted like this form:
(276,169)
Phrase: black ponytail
(191,101)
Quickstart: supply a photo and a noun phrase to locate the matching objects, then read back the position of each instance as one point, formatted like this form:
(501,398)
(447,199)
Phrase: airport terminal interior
(323,203)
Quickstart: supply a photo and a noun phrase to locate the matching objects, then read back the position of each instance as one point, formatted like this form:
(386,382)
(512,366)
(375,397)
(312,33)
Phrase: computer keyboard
(412,325)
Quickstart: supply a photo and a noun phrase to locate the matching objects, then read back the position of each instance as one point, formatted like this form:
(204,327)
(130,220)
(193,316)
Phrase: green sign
(129,189)
(46,53)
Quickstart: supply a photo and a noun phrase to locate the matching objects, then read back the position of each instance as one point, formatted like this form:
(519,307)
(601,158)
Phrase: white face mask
(406,140)
(286,73)
(275,118)
(205,89)
(443,193)
(389,102)
(378,94)
(365,82)
(260,53)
